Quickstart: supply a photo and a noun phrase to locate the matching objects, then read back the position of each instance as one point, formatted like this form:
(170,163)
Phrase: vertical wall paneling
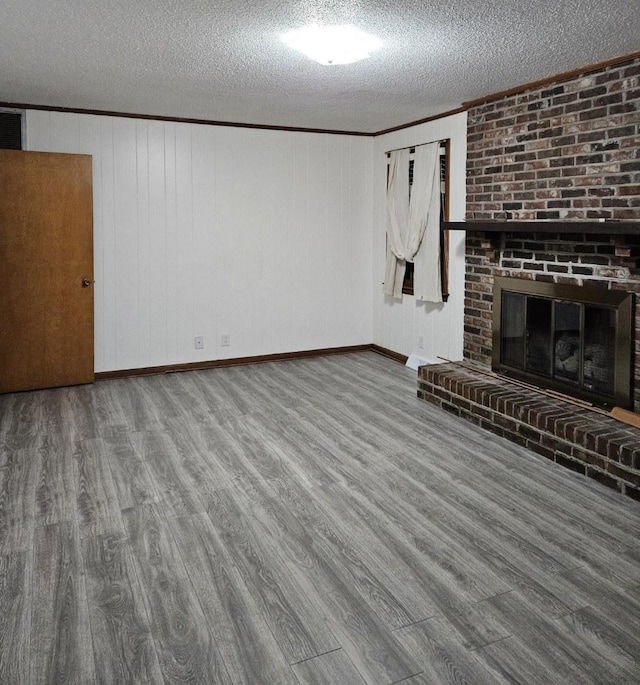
(278,261)
(125,207)
(359,208)
(205,224)
(285,257)
(303,253)
(237,235)
(399,324)
(172,228)
(335,228)
(143,256)
(106,235)
(203,230)
(157,331)
(316,234)
(89,143)
(38,131)
(185,247)
(63,133)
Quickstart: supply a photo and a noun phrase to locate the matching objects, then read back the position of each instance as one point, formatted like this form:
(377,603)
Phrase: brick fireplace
(566,151)
(609,262)
(557,155)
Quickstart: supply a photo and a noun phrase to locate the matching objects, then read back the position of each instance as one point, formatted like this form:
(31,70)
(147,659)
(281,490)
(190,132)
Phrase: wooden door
(46,270)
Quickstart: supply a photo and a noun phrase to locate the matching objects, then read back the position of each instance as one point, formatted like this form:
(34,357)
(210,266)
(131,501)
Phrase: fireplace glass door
(566,338)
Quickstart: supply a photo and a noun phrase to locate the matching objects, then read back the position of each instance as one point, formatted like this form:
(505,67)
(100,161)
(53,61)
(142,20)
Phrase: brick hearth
(575,437)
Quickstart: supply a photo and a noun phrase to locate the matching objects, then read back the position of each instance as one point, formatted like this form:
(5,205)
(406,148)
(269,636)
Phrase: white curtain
(413,226)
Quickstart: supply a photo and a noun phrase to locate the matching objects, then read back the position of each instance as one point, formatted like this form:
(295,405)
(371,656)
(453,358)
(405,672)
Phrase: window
(407,285)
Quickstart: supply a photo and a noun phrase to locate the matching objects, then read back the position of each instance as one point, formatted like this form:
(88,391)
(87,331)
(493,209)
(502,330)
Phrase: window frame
(407,284)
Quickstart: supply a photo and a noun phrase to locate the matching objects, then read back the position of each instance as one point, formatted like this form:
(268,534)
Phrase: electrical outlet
(226,340)
(421,342)
(198,342)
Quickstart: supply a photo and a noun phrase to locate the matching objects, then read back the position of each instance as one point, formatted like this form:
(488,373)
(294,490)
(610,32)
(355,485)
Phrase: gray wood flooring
(302,522)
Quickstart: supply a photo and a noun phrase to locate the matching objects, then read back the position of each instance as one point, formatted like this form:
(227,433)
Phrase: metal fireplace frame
(621,301)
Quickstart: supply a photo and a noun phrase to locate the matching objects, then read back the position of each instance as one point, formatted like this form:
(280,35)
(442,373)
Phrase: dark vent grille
(10,131)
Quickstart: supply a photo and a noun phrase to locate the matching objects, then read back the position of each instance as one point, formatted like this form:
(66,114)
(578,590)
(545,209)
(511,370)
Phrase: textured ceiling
(223,59)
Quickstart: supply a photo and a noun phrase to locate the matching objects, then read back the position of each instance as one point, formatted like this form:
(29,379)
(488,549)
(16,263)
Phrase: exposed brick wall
(566,151)
(575,437)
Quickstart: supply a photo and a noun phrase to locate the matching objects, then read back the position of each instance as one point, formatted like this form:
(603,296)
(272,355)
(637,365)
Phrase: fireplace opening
(570,338)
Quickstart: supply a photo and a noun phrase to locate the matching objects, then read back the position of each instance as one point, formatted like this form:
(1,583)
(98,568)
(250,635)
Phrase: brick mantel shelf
(497,226)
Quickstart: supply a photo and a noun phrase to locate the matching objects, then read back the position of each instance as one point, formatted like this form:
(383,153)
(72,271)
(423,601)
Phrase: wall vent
(10,130)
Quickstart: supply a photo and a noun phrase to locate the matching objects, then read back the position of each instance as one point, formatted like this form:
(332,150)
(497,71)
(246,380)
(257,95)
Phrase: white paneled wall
(399,324)
(204,230)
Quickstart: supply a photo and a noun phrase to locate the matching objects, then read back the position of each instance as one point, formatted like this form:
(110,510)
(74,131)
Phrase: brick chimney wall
(569,150)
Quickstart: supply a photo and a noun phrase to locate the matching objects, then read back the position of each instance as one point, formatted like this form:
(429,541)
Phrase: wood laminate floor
(301,522)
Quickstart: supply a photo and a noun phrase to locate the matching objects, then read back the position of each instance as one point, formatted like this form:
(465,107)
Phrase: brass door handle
(86,282)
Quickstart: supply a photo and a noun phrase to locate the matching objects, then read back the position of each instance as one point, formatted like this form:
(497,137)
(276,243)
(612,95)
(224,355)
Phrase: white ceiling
(223,60)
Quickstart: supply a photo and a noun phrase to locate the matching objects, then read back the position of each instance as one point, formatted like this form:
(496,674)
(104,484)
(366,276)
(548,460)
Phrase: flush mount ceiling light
(332,44)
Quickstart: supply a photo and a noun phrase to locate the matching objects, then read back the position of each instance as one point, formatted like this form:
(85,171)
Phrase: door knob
(86,282)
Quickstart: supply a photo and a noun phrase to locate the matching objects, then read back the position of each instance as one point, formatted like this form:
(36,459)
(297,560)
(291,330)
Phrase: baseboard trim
(236,361)
(389,353)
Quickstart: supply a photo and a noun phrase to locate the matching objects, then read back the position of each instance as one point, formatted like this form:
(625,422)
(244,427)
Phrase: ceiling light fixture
(332,44)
